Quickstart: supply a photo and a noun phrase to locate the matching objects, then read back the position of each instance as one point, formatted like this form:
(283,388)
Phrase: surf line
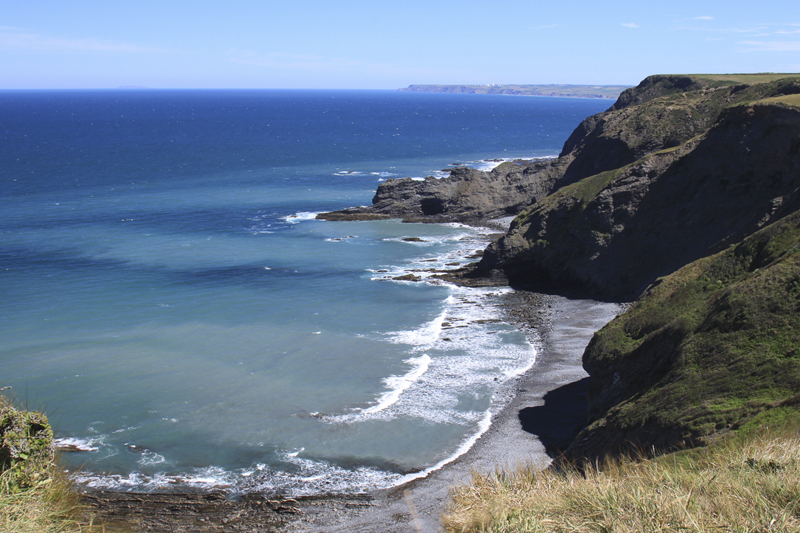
(398,384)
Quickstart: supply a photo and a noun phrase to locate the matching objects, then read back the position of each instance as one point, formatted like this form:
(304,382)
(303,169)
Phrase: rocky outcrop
(466,195)
(26,445)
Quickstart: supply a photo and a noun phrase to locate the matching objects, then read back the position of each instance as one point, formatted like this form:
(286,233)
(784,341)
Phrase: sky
(385,44)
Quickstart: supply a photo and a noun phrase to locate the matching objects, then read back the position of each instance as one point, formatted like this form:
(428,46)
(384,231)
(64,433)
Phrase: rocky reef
(466,195)
(683,197)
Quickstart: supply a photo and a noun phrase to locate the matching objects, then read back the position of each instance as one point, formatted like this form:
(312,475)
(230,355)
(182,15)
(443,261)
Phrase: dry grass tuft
(49,506)
(742,485)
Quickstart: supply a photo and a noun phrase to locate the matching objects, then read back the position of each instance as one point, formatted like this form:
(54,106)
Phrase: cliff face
(655,183)
(610,235)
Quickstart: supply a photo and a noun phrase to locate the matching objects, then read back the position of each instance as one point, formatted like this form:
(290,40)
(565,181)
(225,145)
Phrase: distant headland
(571,91)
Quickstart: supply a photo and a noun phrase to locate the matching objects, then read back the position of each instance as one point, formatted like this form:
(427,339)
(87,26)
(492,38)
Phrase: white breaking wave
(74,444)
(299,217)
(209,478)
(425,335)
(466,354)
(398,384)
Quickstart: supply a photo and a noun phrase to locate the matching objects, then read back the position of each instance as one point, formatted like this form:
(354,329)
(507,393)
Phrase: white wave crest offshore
(300,217)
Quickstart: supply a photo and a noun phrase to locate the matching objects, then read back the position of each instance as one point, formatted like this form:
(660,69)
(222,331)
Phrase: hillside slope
(678,177)
(686,194)
(711,348)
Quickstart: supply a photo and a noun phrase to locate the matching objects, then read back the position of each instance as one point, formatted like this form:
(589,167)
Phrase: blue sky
(355,44)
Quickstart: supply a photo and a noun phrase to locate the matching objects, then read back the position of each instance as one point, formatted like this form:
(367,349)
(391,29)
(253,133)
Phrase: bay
(171,303)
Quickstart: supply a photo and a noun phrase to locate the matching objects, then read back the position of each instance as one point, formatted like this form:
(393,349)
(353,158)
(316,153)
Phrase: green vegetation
(34,496)
(746,484)
(745,78)
(26,446)
(791,99)
(571,199)
(711,348)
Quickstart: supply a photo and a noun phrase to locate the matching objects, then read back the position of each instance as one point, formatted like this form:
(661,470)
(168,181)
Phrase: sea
(172,304)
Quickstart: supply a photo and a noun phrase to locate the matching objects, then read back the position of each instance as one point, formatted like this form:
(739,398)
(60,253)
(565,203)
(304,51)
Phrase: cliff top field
(791,99)
(748,79)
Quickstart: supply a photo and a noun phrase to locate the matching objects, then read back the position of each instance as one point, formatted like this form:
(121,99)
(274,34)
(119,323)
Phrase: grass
(35,496)
(790,99)
(709,349)
(764,77)
(744,484)
(49,506)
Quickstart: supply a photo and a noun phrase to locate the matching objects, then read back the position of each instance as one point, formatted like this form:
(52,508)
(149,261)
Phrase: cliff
(710,349)
(654,184)
(685,198)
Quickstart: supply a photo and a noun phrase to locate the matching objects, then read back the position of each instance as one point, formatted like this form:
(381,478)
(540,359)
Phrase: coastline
(544,410)
(547,409)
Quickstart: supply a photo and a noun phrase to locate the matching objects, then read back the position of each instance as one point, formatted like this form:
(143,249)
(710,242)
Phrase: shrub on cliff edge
(26,446)
(34,496)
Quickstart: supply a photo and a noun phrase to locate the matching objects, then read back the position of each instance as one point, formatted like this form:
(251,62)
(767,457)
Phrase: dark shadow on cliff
(561,417)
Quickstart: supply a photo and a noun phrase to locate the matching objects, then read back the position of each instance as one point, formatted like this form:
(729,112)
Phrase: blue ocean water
(172,304)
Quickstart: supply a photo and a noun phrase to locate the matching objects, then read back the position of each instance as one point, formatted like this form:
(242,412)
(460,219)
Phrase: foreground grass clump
(741,485)
(49,506)
(35,497)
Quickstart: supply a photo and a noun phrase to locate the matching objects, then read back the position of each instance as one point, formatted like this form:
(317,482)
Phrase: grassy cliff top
(789,99)
(748,79)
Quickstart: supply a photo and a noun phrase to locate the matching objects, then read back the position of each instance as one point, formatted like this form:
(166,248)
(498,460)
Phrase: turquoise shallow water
(171,303)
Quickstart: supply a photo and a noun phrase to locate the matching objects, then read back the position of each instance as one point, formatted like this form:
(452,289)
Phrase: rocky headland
(682,198)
